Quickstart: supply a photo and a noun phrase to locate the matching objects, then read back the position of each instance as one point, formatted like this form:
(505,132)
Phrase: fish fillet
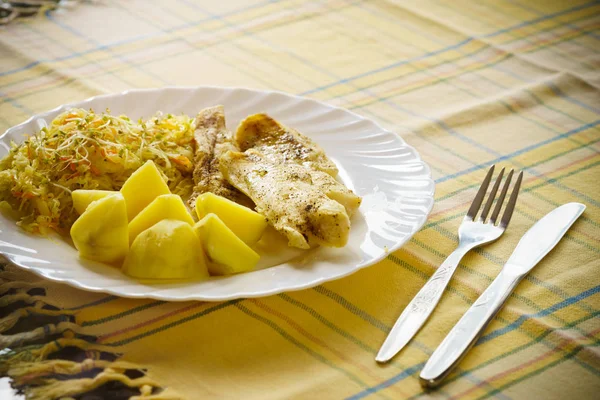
(281,144)
(287,195)
(213,140)
(336,191)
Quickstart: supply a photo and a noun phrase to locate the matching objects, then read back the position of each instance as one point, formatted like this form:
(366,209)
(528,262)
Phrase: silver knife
(533,246)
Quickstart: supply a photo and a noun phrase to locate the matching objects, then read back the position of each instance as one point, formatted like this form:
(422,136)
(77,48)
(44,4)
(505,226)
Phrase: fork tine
(480,194)
(510,207)
(501,198)
(490,201)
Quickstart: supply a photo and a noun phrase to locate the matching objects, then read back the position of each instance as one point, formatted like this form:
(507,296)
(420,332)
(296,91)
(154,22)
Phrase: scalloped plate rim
(247,294)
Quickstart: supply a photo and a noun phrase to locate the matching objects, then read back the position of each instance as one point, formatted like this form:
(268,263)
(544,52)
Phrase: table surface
(468,84)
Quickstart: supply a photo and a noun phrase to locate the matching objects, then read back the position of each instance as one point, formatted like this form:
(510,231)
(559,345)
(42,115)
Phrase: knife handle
(469,328)
(420,308)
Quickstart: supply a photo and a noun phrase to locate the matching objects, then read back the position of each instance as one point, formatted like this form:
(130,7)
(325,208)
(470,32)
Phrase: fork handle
(420,308)
(468,329)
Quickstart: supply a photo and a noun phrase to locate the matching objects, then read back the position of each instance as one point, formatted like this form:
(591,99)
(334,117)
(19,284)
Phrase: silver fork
(471,233)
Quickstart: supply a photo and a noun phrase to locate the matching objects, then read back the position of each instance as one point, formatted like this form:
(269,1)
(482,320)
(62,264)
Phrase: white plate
(394,182)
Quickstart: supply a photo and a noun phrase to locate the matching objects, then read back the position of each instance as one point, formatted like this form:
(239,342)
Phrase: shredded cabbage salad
(85,150)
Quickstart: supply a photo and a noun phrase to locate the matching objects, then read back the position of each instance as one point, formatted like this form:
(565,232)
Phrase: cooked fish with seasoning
(336,191)
(287,195)
(280,143)
(212,140)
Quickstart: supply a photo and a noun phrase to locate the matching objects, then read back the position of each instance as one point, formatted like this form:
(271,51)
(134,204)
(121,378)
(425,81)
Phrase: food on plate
(286,195)
(169,249)
(279,143)
(246,224)
(87,150)
(101,233)
(160,247)
(121,187)
(336,191)
(166,206)
(291,181)
(142,187)
(212,140)
(82,198)
(226,251)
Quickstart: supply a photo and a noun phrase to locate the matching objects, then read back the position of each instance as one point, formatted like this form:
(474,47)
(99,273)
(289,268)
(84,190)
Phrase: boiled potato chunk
(101,232)
(228,253)
(142,187)
(166,206)
(248,225)
(82,198)
(169,249)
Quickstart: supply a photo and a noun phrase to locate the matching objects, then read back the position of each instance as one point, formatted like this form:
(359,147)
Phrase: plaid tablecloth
(467,83)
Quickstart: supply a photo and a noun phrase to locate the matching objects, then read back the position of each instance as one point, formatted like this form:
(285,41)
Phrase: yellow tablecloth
(467,83)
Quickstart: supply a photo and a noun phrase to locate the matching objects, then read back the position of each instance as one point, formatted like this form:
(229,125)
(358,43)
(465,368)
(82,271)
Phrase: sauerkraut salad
(82,149)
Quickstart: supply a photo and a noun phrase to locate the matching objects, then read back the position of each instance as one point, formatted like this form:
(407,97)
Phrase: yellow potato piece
(142,187)
(248,225)
(101,233)
(229,254)
(167,206)
(82,198)
(168,250)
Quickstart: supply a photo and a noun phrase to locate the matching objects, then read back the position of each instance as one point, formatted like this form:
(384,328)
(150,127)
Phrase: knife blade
(543,236)
(533,246)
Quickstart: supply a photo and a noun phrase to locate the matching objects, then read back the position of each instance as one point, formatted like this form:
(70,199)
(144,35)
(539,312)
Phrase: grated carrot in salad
(85,150)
